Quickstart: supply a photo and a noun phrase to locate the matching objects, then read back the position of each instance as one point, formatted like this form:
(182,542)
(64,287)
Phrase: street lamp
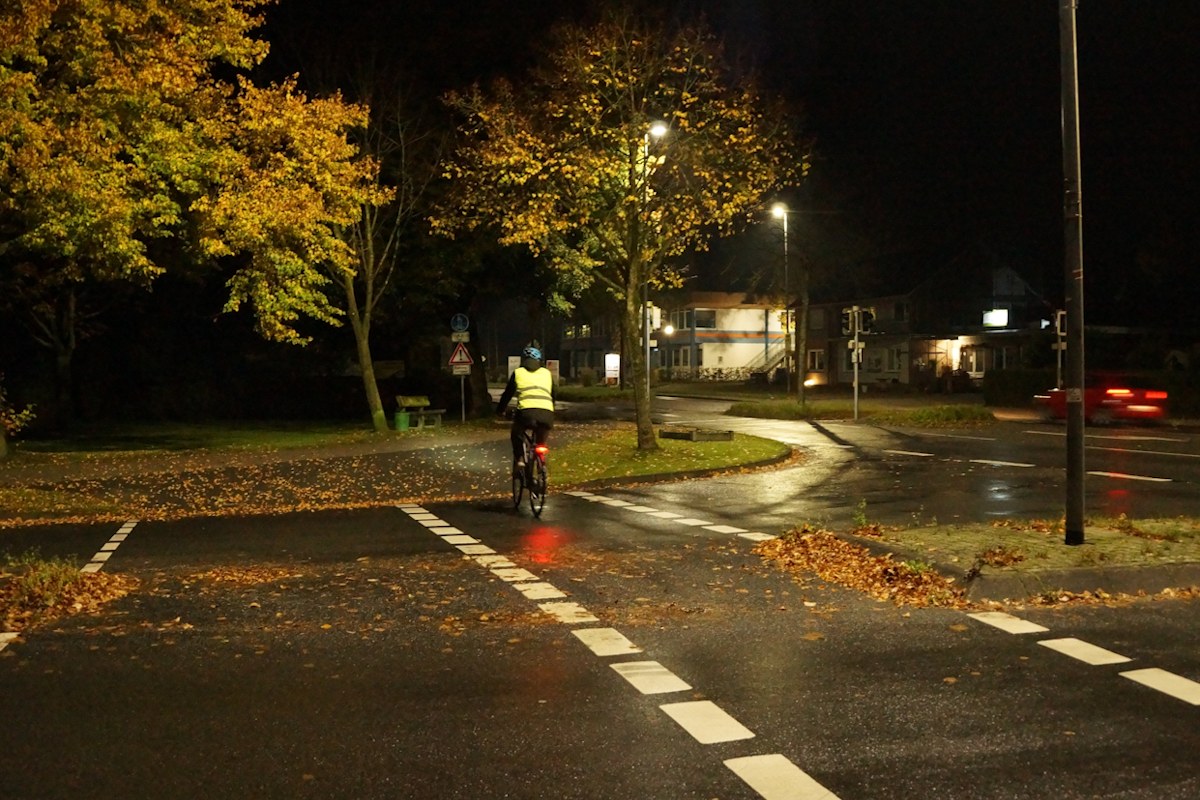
(656,130)
(780,212)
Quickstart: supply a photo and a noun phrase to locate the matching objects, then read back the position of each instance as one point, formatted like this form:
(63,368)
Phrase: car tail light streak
(1118,393)
(1156,395)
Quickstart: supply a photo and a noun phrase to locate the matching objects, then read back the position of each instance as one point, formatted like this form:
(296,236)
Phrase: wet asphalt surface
(372,653)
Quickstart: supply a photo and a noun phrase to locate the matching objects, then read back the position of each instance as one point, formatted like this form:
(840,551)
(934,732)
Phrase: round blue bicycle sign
(459,322)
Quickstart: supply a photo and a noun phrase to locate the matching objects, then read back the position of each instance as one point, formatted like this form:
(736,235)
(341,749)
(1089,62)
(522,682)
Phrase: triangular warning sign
(460,356)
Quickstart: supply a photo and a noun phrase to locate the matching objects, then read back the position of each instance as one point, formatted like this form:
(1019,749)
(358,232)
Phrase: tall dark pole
(1072,272)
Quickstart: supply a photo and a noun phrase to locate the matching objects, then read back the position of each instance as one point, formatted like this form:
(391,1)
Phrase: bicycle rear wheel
(537,486)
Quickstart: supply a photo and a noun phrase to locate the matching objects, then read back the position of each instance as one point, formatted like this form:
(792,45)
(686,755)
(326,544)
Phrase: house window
(585,331)
(682,320)
(895,358)
(816,360)
(681,357)
(706,318)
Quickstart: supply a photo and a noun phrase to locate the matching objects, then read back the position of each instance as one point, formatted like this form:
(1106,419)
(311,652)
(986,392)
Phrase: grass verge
(932,416)
(34,589)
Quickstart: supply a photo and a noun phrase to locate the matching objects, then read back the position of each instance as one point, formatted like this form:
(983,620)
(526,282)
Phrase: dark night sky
(936,121)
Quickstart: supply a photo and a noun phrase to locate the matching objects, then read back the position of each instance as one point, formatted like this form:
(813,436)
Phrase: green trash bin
(401,420)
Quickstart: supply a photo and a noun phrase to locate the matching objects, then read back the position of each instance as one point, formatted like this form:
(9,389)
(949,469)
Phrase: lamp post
(657,130)
(780,212)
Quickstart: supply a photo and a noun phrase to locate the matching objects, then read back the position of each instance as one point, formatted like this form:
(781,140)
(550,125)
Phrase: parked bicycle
(531,481)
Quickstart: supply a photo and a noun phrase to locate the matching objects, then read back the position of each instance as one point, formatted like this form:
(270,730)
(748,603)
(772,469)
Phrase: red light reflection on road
(1116,502)
(543,542)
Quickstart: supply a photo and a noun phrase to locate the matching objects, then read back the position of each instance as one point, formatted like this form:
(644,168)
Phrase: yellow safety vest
(534,389)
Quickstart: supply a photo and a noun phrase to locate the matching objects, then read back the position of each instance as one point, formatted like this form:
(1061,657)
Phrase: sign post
(460,359)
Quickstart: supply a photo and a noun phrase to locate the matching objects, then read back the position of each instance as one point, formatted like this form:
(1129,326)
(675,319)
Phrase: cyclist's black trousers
(541,420)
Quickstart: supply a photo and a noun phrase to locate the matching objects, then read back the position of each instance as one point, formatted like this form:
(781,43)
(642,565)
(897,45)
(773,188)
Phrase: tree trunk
(801,360)
(361,325)
(632,350)
(3,443)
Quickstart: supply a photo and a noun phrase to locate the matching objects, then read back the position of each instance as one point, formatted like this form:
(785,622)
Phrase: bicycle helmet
(532,352)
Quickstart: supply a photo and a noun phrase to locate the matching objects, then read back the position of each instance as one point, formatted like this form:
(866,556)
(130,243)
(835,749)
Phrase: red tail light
(1156,395)
(541,449)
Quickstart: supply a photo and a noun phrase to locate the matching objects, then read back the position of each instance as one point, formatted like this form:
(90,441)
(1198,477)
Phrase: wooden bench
(415,408)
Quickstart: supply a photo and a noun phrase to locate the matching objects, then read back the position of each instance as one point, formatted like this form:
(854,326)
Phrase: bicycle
(531,480)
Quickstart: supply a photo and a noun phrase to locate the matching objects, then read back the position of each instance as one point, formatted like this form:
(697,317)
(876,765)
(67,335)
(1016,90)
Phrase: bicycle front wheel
(537,487)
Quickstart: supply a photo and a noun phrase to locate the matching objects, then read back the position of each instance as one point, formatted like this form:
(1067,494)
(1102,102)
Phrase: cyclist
(533,386)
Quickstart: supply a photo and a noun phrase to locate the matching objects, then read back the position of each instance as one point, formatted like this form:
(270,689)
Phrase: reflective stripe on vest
(534,389)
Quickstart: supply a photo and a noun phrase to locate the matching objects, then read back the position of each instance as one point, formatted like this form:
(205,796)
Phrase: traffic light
(868,319)
(847,322)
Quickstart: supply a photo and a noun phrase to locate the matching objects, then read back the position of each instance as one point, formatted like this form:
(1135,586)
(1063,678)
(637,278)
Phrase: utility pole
(1072,272)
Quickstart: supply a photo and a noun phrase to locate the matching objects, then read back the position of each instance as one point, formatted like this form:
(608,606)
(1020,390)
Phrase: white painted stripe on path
(1087,653)
(93,567)
(433,523)
(1128,477)
(755,536)
(460,538)
(909,453)
(475,549)
(494,561)
(1007,622)
(513,574)
(1176,686)
(993,463)
(579,494)
(665,515)
(449,530)
(568,613)
(774,777)
(640,509)
(419,515)
(724,529)
(650,677)
(707,722)
(606,641)
(694,522)
(539,590)
(612,501)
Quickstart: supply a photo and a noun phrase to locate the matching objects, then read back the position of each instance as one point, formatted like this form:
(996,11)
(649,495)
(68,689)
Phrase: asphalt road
(627,645)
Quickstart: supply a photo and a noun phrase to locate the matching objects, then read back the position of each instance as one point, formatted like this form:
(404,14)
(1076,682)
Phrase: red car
(1108,399)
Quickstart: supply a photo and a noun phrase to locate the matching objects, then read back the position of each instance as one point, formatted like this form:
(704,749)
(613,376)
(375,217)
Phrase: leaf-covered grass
(930,416)
(175,437)
(33,588)
(612,454)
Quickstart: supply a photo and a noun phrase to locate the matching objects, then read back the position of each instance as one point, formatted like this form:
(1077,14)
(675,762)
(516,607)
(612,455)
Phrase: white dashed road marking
(606,641)
(109,547)
(568,613)
(776,778)
(1176,686)
(1128,477)
(650,677)
(539,590)
(1007,622)
(724,529)
(909,453)
(1087,653)
(992,463)
(706,722)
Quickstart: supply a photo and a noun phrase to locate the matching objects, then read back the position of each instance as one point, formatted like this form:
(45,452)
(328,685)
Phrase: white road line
(433,523)
(579,494)
(650,677)
(409,507)
(961,436)
(494,561)
(910,453)
(606,641)
(755,536)
(1128,477)
(724,529)
(475,549)
(774,777)
(707,722)
(1087,653)
(694,522)
(612,501)
(568,613)
(108,548)
(665,515)
(449,530)
(513,574)
(1176,686)
(1007,622)
(7,637)
(460,538)
(992,463)
(419,515)
(640,509)
(539,590)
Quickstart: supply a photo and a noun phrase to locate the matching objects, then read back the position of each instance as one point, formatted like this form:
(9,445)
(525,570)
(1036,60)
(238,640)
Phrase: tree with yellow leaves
(129,146)
(574,166)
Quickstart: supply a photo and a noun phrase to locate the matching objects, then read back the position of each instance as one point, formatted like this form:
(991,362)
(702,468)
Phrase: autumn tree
(131,142)
(570,163)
